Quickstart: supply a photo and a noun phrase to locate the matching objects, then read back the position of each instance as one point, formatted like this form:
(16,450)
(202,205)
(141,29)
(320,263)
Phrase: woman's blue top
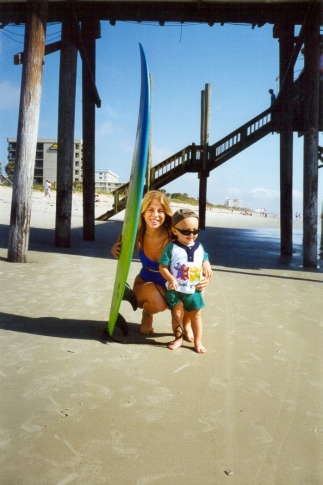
(150,270)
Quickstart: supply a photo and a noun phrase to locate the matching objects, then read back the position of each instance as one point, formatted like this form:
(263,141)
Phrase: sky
(240,64)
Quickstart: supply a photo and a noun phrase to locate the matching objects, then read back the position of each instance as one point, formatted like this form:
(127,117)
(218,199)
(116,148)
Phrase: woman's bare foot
(199,347)
(175,344)
(146,326)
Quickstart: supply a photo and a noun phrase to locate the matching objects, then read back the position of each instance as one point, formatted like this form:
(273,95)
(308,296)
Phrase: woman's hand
(202,284)
(116,248)
(207,275)
(207,270)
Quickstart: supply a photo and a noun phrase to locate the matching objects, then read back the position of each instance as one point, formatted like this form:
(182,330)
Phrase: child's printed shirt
(185,264)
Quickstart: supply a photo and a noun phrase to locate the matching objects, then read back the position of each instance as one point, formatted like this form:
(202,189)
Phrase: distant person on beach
(154,233)
(48,186)
(96,198)
(181,265)
(272,97)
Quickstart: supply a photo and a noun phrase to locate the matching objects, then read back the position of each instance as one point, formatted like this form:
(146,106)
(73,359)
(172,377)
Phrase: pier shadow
(43,240)
(249,249)
(246,249)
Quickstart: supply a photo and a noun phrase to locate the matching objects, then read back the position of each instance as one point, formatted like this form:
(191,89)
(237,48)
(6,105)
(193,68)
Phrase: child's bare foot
(199,347)
(188,333)
(178,342)
(146,326)
(175,344)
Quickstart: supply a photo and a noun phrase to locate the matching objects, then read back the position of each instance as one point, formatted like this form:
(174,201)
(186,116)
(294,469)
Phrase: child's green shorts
(193,301)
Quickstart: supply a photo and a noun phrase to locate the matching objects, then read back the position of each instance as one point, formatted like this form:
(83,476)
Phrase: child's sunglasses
(187,232)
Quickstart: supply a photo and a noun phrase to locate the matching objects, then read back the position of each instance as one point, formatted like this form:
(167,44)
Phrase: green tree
(10,168)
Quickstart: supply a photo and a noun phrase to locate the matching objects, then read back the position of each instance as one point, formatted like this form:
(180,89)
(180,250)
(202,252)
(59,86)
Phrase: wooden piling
(89,30)
(286,73)
(311,124)
(27,132)
(65,136)
(204,174)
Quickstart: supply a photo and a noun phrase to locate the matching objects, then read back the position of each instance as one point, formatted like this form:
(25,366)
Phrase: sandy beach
(78,410)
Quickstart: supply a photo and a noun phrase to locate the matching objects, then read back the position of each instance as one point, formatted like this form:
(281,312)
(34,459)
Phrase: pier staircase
(5,181)
(193,159)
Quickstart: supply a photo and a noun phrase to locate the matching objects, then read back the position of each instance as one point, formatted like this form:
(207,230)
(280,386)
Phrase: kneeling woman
(154,233)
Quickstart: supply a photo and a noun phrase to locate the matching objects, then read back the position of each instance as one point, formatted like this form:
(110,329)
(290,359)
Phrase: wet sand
(78,410)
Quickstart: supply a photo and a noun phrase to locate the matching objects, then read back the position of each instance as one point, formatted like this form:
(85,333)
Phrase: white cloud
(108,111)
(297,195)
(265,194)
(256,193)
(105,121)
(104,129)
(160,154)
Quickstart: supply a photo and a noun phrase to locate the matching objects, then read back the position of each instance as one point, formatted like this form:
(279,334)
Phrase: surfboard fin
(130,296)
(122,324)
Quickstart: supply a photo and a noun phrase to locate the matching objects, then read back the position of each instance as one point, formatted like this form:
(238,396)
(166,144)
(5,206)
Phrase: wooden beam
(279,31)
(87,63)
(27,132)
(49,49)
(255,13)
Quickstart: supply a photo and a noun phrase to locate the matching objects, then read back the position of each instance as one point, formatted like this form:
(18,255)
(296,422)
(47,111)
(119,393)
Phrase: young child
(181,266)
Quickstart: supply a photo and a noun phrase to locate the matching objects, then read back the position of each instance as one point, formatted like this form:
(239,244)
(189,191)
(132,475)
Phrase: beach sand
(78,410)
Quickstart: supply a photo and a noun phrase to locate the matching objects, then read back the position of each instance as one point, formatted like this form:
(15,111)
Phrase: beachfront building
(237,203)
(46,159)
(106,180)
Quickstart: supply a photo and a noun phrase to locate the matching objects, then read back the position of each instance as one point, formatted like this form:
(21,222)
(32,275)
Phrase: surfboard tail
(130,296)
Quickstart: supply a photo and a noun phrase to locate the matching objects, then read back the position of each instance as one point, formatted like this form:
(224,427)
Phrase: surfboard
(135,193)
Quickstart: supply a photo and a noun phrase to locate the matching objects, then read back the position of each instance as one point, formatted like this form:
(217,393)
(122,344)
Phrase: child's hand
(172,284)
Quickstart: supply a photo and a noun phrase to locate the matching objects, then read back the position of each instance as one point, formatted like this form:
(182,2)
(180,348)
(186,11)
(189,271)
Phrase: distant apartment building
(237,203)
(46,159)
(106,180)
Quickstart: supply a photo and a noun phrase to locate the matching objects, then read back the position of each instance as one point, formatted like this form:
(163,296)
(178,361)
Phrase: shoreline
(40,203)
(43,215)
